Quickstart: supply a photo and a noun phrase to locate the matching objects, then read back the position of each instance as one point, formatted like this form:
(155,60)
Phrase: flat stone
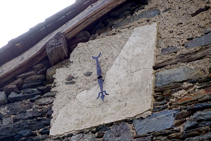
(156,122)
(34,78)
(27,115)
(3,98)
(169,50)
(147,14)
(32,84)
(197,120)
(44,89)
(195,132)
(201,41)
(200,138)
(183,114)
(14,97)
(120,10)
(199,106)
(29,91)
(25,75)
(38,67)
(174,75)
(44,101)
(188,57)
(119,132)
(122,63)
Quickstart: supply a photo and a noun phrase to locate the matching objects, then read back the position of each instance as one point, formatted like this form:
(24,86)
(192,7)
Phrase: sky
(18,16)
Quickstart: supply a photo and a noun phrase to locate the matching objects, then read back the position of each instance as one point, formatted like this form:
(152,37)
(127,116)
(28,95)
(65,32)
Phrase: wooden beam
(71,28)
(89,15)
(57,49)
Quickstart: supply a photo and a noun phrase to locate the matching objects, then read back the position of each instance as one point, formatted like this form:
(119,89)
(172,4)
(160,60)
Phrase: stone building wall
(182,92)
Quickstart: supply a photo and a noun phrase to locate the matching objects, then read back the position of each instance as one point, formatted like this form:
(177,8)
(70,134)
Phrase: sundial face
(126,62)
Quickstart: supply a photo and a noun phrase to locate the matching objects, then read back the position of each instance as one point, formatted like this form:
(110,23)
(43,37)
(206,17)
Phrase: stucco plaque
(126,62)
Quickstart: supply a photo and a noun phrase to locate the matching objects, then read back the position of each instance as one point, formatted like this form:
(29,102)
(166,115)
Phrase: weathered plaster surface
(126,63)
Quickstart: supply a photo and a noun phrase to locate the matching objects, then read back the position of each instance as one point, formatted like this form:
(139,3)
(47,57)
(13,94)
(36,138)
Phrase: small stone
(44,131)
(160,108)
(156,122)
(169,50)
(119,132)
(50,94)
(175,136)
(52,70)
(32,84)
(44,89)
(25,75)
(7,121)
(38,67)
(179,74)
(102,128)
(183,114)
(179,122)
(201,41)
(3,98)
(50,112)
(9,88)
(35,98)
(42,71)
(29,91)
(27,115)
(44,101)
(26,133)
(34,78)
(83,34)
(70,78)
(69,83)
(18,83)
(100,134)
(88,73)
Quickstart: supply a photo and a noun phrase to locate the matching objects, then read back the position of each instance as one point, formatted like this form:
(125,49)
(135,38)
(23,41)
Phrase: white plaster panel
(126,63)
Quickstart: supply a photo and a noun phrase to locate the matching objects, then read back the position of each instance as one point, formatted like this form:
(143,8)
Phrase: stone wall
(181,108)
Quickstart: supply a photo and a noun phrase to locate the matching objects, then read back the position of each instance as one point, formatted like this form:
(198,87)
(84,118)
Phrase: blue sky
(18,16)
